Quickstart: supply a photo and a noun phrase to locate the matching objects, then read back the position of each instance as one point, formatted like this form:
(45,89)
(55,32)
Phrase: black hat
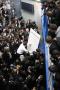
(55,52)
(53,68)
(58,41)
(57,76)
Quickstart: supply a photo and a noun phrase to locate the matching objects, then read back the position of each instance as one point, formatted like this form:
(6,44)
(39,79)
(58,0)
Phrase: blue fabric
(44,49)
(44,33)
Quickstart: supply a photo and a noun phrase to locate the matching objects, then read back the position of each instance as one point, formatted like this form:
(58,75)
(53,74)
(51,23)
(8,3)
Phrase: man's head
(49,39)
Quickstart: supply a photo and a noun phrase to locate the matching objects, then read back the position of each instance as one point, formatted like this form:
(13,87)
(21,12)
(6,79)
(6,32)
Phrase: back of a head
(53,26)
(49,39)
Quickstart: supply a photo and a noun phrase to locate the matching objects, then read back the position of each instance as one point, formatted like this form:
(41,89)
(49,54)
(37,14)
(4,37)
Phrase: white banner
(33,41)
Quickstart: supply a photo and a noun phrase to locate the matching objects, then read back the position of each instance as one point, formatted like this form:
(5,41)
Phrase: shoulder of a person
(58,28)
(21,45)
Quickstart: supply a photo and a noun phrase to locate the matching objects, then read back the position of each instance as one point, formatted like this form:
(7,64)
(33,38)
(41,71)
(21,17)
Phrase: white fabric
(0,24)
(1,55)
(22,57)
(21,49)
(8,6)
(58,32)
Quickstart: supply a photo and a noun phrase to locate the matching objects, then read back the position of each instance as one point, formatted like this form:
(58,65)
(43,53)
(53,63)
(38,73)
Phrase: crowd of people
(23,71)
(53,39)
